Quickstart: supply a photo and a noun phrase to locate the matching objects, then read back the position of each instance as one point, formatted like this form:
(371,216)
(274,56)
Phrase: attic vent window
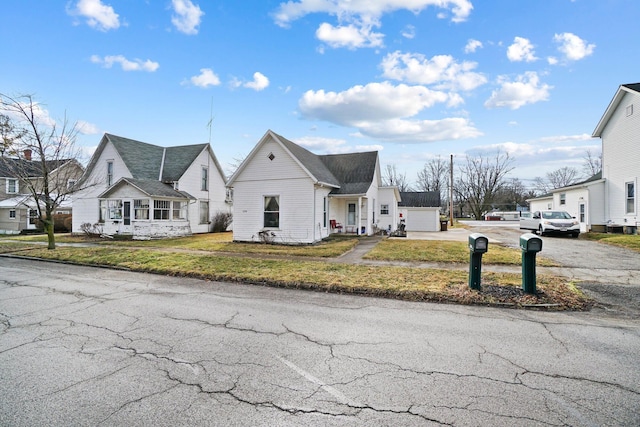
(271,156)
(629,110)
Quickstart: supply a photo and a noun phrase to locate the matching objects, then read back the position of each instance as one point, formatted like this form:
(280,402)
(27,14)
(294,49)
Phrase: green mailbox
(530,244)
(478,245)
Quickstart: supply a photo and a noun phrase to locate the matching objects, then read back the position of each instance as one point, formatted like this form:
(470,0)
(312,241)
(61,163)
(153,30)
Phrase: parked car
(544,222)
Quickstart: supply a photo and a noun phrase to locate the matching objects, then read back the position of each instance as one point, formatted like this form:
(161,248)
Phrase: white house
(607,201)
(619,130)
(287,194)
(147,191)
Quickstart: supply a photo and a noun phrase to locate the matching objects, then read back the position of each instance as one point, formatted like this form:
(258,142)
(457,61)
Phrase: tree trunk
(49,228)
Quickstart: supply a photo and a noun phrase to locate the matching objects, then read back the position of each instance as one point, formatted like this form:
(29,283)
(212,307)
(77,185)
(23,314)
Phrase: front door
(351,214)
(126,217)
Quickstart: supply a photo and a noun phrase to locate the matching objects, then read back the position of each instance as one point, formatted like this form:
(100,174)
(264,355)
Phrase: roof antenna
(210,123)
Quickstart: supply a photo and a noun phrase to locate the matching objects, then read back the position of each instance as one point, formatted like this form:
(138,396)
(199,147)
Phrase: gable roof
(33,168)
(151,162)
(350,173)
(419,199)
(151,188)
(613,105)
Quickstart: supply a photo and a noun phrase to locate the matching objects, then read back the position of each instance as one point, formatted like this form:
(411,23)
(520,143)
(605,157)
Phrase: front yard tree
(481,179)
(41,154)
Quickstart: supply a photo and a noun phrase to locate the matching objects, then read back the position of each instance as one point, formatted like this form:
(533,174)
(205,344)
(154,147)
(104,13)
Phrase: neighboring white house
(147,191)
(619,129)
(287,194)
(609,199)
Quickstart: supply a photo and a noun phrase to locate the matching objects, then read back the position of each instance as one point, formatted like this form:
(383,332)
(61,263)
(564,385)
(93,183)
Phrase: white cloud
(552,60)
(187,16)
(86,128)
(472,45)
(349,36)
(380,110)
(126,64)
(260,82)
(292,10)
(357,18)
(566,138)
(526,89)
(205,79)
(322,145)
(521,50)
(409,32)
(573,47)
(441,70)
(98,15)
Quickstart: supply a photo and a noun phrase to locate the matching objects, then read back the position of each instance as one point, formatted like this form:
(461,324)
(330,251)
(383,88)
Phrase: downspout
(313,220)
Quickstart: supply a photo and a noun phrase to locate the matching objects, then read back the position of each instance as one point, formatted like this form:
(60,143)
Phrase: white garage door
(421,220)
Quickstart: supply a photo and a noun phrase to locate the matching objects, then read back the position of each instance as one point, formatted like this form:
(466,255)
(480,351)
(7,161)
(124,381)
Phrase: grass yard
(629,241)
(437,285)
(446,251)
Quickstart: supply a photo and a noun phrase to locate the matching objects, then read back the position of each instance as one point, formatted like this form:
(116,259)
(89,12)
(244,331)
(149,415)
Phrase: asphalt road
(89,346)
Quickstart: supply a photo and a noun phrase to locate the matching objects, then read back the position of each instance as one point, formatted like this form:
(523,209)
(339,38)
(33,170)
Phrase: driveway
(91,346)
(607,273)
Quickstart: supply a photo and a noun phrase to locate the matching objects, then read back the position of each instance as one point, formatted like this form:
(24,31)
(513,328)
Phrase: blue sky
(413,79)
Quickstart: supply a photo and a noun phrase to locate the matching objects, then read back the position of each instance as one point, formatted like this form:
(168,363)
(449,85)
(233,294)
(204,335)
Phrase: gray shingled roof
(633,86)
(353,173)
(150,187)
(9,165)
(178,159)
(419,199)
(312,162)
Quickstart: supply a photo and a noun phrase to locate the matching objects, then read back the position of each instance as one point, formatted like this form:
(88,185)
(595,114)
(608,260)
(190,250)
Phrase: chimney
(27,155)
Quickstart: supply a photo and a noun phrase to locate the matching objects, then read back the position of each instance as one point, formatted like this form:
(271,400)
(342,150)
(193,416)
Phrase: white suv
(550,222)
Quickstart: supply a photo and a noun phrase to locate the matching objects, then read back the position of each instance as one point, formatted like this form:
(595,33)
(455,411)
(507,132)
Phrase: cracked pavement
(90,346)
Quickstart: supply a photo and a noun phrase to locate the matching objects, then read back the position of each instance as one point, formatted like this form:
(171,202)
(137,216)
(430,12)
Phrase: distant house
(148,191)
(420,210)
(18,208)
(287,194)
(609,199)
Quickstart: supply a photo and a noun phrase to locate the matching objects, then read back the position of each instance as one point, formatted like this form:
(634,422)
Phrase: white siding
(421,219)
(389,221)
(281,177)
(621,159)
(85,202)
(541,204)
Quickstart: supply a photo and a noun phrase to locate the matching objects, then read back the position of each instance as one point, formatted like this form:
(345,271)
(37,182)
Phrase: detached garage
(420,210)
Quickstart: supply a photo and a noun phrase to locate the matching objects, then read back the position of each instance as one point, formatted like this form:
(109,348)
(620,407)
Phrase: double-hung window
(204,212)
(179,210)
(205,179)
(161,209)
(384,209)
(12,214)
(272,211)
(630,197)
(109,173)
(141,209)
(114,208)
(12,186)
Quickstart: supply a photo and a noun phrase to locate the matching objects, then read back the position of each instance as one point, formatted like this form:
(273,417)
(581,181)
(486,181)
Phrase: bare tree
(49,174)
(434,177)
(592,164)
(480,179)
(391,176)
(558,178)
(8,134)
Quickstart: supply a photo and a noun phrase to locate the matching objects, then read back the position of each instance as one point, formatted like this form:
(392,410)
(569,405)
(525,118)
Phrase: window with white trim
(563,198)
(114,209)
(161,209)
(384,209)
(630,197)
(12,214)
(109,172)
(102,209)
(204,212)
(12,186)
(141,209)
(179,210)
(33,216)
(205,179)
(271,211)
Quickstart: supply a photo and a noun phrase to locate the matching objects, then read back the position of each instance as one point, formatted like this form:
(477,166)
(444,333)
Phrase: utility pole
(451,191)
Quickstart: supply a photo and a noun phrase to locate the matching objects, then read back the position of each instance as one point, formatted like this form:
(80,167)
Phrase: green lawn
(629,241)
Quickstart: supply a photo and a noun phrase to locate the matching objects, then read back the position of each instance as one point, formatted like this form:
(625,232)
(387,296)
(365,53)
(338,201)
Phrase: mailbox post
(530,244)
(478,244)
